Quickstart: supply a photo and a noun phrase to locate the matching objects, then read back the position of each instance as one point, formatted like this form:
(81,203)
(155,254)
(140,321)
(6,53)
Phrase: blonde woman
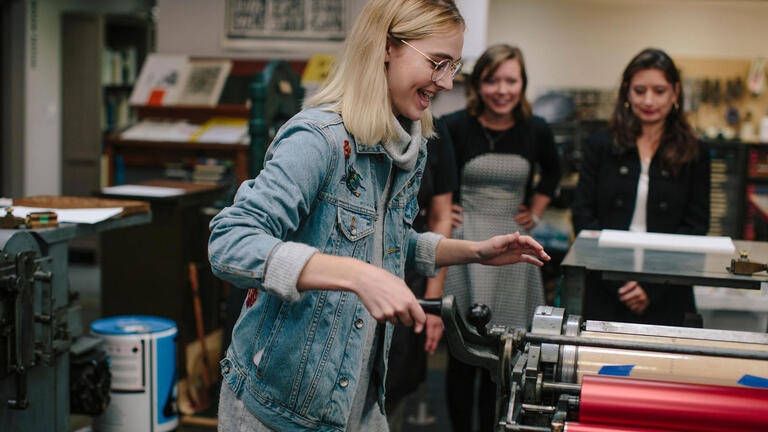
(321,237)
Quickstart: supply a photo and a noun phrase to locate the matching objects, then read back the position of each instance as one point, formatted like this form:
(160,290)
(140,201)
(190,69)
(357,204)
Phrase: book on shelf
(203,81)
(220,130)
(160,80)
(176,170)
(157,130)
(118,66)
(211,170)
(225,130)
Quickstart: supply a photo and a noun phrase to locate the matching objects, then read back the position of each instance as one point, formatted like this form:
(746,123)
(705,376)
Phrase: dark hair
(487,64)
(678,143)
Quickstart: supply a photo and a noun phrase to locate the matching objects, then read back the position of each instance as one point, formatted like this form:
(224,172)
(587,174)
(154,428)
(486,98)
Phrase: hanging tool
(203,395)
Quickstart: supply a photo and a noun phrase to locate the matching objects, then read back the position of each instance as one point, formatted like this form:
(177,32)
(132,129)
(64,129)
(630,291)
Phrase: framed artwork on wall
(286,25)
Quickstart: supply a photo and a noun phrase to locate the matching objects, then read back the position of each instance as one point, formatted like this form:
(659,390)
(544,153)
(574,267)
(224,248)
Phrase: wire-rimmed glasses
(442,67)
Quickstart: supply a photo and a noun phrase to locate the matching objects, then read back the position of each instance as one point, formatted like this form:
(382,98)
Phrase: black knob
(479,315)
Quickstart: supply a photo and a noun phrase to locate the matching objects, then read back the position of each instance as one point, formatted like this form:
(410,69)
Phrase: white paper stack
(670,242)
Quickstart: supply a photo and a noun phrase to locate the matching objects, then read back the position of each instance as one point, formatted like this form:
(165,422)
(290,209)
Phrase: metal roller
(555,376)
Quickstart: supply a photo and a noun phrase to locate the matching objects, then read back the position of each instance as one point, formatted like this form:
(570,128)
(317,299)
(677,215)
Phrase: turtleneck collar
(405,149)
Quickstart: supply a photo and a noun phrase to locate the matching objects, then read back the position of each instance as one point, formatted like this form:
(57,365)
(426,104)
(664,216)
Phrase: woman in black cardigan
(647,173)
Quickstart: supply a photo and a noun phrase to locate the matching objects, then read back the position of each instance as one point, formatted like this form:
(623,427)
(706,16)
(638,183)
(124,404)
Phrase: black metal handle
(431,306)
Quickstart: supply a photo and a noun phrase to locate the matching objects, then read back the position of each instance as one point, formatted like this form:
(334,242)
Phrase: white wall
(42,156)
(587,43)
(475,13)
(196,28)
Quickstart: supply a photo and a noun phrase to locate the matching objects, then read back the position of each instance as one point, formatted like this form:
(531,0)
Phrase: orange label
(156,97)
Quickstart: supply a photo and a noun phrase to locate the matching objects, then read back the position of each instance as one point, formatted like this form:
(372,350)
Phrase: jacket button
(664,173)
(226,368)
(619,202)
(623,170)
(353,231)
(359,323)
(344,381)
(663,205)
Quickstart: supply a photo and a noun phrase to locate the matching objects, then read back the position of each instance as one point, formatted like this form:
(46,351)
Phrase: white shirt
(638,223)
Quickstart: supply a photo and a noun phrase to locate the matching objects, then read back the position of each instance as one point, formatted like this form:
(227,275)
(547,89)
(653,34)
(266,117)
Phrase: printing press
(570,375)
(49,367)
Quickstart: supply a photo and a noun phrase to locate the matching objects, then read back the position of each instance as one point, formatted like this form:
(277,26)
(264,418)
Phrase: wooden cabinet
(145,269)
(123,153)
(271,103)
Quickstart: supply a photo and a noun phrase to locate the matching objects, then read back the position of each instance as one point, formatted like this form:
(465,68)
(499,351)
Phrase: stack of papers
(84,215)
(670,242)
(148,130)
(142,191)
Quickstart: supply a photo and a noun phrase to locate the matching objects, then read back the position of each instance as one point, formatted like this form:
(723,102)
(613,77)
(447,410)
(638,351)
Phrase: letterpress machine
(48,367)
(566,374)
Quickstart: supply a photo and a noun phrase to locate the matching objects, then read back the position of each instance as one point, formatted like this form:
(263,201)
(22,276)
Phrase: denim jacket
(295,358)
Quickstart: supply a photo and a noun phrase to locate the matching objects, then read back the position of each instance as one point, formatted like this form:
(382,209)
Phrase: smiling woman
(498,146)
(322,236)
(414,77)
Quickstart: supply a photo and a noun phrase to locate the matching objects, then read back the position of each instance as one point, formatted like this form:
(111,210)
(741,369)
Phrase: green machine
(276,95)
(49,368)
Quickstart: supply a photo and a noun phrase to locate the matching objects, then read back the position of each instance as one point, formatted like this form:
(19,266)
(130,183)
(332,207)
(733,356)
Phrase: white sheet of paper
(671,242)
(83,215)
(140,190)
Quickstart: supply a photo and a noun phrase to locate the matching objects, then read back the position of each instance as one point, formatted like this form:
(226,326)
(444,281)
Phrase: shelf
(176,145)
(118,87)
(194,114)
(158,153)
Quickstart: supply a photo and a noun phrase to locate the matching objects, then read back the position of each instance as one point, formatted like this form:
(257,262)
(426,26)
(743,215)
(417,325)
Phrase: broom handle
(199,322)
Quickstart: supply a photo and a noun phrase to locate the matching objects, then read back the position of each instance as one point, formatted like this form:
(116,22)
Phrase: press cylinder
(673,367)
(676,406)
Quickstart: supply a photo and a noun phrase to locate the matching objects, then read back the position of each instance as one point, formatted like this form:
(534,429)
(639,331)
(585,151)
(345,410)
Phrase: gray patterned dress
(493,186)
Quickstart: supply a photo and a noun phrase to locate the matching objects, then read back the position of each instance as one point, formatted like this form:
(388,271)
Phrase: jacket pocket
(352,233)
(354,225)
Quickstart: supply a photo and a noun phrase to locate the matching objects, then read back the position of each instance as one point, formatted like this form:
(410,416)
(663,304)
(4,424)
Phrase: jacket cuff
(426,251)
(284,268)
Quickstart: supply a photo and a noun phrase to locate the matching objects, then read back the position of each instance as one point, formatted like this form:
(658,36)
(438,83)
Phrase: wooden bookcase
(137,153)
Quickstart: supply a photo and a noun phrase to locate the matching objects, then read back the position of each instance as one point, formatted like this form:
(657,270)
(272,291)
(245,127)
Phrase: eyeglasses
(442,67)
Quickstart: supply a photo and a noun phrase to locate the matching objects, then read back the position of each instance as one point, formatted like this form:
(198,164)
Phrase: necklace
(491,140)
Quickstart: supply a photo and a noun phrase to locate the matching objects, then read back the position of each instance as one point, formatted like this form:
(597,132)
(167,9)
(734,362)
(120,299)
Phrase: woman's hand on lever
(386,296)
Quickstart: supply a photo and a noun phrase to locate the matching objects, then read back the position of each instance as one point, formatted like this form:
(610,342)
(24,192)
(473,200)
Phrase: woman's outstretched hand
(509,249)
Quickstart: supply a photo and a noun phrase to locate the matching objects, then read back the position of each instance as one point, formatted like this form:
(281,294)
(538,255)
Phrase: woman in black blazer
(648,173)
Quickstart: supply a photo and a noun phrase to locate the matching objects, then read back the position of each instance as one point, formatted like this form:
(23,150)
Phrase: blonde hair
(357,86)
